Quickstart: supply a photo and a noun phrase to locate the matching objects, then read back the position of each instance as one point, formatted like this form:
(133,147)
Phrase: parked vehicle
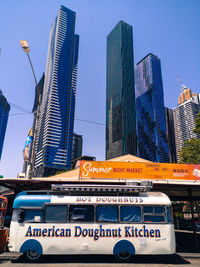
(92,219)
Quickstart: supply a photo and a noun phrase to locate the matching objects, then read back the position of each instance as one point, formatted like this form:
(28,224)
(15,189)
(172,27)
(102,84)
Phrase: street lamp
(25,46)
(26,49)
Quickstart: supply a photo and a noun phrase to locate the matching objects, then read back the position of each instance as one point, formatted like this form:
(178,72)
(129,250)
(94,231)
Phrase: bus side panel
(53,238)
(14,225)
(152,245)
(96,238)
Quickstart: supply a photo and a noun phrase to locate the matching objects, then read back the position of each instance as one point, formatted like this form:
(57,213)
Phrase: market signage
(131,170)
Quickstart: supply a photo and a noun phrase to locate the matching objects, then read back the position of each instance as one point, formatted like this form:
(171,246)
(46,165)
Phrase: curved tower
(56,122)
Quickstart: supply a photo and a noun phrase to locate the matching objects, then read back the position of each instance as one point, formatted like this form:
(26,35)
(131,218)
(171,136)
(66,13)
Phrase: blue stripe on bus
(31,201)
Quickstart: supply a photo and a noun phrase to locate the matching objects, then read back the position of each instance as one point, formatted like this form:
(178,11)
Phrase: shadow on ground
(146,259)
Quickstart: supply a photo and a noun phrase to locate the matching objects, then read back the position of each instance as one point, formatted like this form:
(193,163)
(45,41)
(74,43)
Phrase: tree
(190,153)
(197,124)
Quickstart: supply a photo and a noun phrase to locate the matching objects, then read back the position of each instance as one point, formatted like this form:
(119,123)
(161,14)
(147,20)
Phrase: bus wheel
(124,256)
(124,251)
(32,255)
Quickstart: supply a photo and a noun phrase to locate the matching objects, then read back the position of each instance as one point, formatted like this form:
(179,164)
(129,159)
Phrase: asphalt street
(183,259)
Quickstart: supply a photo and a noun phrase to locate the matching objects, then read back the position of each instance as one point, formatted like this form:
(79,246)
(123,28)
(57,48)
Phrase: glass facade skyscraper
(170,134)
(150,110)
(120,93)
(4,111)
(28,151)
(77,146)
(56,122)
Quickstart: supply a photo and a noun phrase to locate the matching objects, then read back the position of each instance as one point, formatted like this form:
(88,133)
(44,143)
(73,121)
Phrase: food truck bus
(121,220)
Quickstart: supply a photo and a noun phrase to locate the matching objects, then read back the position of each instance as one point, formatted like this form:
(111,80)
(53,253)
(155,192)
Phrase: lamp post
(26,49)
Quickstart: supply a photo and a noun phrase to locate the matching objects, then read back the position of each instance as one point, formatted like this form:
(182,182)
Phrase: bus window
(107,213)
(81,213)
(159,209)
(32,215)
(55,213)
(154,214)
(154,219)
(130,214)
(148,209)
(169,214)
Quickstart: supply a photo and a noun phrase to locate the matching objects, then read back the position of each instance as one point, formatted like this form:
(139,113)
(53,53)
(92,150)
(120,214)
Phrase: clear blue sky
(169,29)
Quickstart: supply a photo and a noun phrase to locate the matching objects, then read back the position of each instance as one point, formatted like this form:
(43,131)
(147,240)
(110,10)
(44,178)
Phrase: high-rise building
(184,118)
(150,110)
(4,111)
(185,95)
(170,134)
(77,146)
(120,94)
(38,93)
(56,121)
(29,144)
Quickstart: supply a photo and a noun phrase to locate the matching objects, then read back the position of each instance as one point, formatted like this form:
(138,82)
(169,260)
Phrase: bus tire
(124,251)
(32,250)
(124,256)
(32,256)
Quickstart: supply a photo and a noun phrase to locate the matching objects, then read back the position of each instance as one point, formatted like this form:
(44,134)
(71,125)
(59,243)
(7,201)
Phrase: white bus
(122,220)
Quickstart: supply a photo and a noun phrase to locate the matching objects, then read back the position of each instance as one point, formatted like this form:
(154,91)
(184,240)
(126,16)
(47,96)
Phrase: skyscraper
(56,122)
(77,146)
(184,118)
(170,134)
(29,148)
(120,93)
(4,111)
(150,110)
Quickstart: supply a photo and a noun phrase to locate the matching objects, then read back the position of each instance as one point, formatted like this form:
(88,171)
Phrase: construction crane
(181,83)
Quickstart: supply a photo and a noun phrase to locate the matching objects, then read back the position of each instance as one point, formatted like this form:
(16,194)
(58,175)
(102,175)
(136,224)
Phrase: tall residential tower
(56,122)
(151,122)
(184,118)
(120,93)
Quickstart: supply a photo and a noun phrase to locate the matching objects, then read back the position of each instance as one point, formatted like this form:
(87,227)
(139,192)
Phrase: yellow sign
(131,170)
